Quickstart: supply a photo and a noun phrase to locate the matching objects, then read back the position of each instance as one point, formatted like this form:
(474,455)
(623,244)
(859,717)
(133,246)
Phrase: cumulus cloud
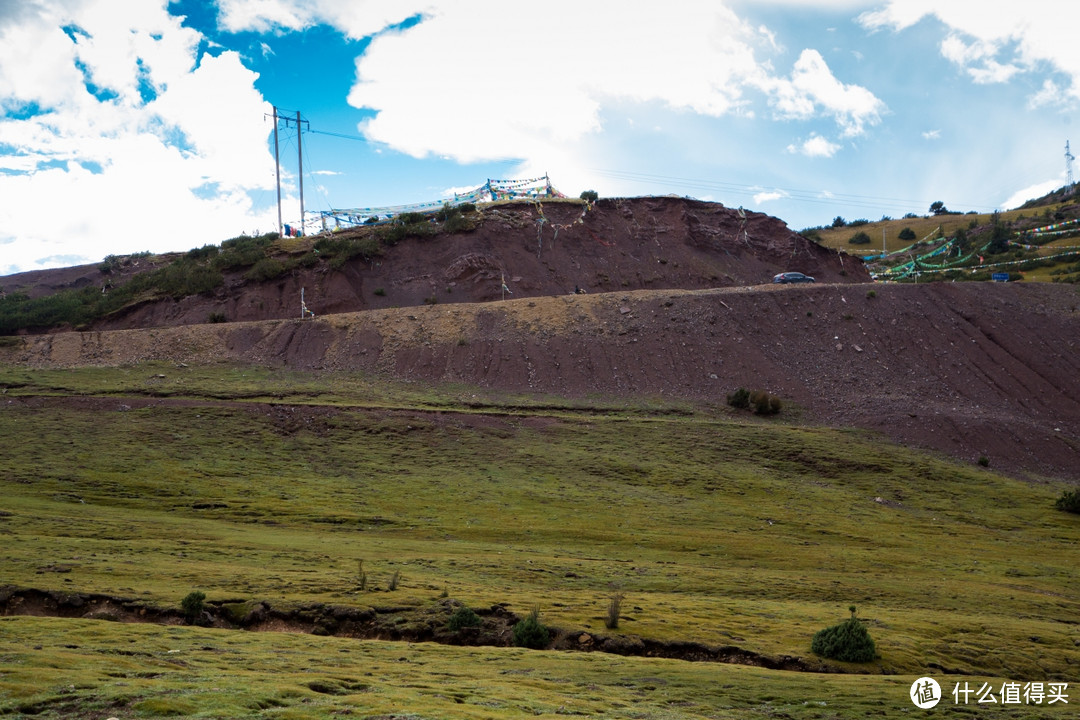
(932,135)
(1006,38)
(815,146)
(812,88)
(766,196)
(540,83)
(112,129)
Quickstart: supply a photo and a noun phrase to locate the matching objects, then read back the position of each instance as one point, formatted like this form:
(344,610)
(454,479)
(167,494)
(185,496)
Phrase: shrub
(739,399)
(1069,501)
(394,580)
(838,222)
(590,196)
(984,461)
(457,223)
(871,293)
(848,641)
(192,605)
(462,618)
(906,234)
(217,317)
(411,218)
(530,633)
(764,403)
(859,238)
(613,611)
(467,207)
(265,269)
(380,291)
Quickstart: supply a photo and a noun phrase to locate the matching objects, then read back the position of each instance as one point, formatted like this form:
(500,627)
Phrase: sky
(147,125)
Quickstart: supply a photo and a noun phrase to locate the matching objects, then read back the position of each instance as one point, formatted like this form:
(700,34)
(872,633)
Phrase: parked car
(792,277)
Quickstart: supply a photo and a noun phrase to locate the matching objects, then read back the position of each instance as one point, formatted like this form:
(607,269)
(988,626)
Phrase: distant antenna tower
(1068,164)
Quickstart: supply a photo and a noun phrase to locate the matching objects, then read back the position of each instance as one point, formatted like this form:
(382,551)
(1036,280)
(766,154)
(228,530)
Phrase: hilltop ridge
(504,250)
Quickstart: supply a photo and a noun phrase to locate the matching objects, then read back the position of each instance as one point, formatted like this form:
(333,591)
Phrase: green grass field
(151,481)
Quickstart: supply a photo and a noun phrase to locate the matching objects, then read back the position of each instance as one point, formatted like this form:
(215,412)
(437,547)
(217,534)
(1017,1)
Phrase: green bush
(859,238)
(265,269)
(847,642)
(411,218)
(1069,501)
(462,618)
(764,403)
(739,399)
(590,196)
(192,605)
(530,633)
(906,234)
(457,223)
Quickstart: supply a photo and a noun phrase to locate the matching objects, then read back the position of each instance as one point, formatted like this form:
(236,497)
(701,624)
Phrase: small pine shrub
(984,461)
(590,196)
(217,317)
(871,293)
(739,399)
(380,291)
(530,633)
(462,618)
(848,641)
(1069,501)
(192,605)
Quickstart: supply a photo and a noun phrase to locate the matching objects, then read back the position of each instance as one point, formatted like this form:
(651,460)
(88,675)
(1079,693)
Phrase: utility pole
(300,155)
(277,164)
(277,171)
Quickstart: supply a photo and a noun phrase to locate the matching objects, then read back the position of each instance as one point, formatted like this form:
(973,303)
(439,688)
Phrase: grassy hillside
(719,527)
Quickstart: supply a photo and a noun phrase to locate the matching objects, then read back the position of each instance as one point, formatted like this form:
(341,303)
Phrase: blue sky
(131,125)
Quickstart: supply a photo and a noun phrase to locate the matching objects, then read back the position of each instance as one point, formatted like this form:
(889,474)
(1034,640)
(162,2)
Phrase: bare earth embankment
(971,370)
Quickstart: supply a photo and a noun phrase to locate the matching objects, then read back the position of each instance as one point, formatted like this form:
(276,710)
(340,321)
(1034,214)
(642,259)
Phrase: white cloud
(812,86)
(1048,96)
(359,18)
(1037,190)
(932,134)
(764,197)
(550,79)
(1007,37)
(815,146)
(160,144)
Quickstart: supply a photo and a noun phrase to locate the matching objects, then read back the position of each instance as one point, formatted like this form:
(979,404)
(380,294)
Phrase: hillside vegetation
(1039,241)
(147,482)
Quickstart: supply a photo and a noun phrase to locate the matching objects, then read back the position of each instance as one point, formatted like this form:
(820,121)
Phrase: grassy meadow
(150,481)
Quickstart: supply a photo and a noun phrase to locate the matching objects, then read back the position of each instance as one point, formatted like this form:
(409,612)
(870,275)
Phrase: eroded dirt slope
(535,249)
(970,369)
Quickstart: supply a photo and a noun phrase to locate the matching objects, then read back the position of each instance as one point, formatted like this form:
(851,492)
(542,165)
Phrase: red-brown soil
(675,309)
(535,249)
